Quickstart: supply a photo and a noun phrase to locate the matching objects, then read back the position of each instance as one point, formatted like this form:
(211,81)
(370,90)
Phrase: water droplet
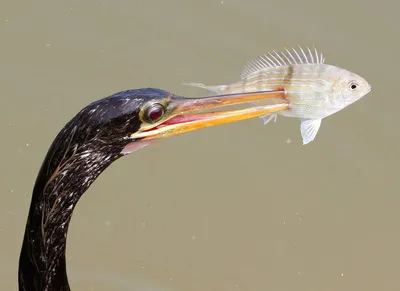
(288,141)
(108,223)
(193,237)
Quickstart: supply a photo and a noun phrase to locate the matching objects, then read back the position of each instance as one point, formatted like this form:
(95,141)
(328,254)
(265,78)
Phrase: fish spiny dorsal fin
(283,59)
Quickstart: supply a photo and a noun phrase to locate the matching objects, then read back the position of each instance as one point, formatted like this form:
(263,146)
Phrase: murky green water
(235,207)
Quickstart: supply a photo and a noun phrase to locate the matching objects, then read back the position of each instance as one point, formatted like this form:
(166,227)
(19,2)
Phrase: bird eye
(353,86)
(154,112)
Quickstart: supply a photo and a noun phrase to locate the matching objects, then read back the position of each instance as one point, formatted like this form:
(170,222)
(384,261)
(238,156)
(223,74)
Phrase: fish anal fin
(309,129)
(268,117)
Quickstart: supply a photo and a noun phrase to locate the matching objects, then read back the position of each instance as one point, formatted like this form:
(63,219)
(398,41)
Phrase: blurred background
(235,207)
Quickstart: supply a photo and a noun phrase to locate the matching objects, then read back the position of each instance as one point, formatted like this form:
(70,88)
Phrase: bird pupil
(155,113)
(353,86)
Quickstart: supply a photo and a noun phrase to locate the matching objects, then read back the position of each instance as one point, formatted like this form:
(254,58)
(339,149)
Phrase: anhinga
(98,135)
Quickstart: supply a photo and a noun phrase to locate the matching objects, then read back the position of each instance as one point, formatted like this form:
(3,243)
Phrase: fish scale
(314,90)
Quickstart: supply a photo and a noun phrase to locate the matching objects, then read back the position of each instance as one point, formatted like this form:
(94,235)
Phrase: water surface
(235,207)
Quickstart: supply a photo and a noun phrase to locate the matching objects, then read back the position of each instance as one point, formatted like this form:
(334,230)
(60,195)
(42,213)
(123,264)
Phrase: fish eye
(154,112)
(353,86)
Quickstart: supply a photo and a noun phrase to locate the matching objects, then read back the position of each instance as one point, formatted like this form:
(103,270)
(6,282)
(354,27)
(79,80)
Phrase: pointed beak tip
(183,118)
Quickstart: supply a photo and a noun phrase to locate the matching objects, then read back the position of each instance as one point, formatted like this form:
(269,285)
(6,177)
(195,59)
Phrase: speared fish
(313,89)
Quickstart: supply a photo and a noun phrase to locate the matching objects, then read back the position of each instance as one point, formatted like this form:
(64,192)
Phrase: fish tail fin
(218,89)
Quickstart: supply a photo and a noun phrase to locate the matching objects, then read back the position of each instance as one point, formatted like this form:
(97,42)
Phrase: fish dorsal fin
(283,59)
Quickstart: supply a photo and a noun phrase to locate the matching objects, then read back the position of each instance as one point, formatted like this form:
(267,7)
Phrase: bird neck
(67,172)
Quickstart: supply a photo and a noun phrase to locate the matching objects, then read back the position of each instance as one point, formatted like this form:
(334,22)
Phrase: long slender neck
(71,165)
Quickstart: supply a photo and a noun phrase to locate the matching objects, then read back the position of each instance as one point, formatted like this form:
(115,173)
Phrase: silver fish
(313,89)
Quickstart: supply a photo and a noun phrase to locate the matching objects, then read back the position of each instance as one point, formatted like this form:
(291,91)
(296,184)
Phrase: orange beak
(183,119)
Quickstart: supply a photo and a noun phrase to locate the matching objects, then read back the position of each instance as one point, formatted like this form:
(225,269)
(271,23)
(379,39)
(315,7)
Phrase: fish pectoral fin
(268,117)
(309,129)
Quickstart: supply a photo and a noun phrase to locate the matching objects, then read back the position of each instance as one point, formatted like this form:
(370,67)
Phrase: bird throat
(67,172)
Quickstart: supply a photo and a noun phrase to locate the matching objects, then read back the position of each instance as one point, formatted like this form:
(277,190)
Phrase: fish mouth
(184,119)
